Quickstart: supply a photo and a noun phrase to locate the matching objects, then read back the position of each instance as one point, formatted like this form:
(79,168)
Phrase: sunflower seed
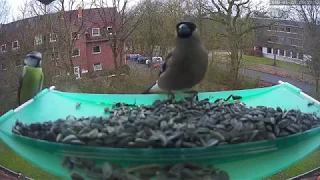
(283,123)
(69,138)
(76,176)
(187,123)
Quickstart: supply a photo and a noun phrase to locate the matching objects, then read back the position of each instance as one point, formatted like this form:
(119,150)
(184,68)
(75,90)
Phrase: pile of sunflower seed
(181,124)
(110,171)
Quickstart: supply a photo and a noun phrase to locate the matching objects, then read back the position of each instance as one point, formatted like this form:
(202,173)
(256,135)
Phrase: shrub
(249,51)
(258,53)
(136,81)
(253,52)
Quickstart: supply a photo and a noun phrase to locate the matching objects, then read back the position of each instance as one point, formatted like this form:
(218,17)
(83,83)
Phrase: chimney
(79,12)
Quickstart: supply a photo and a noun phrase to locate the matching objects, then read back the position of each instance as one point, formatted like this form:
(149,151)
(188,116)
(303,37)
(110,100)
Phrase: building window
(288,53)
(294,55)
(3,67)
(77,72)
(269,39)
(97,67)
(75,35)
(294,30)
(282,28)
(53,37)
(96,49)
(57,55)
(3,48)
(38,40)
(288,29)
(76,52)
(281,52)
(275,27)
(95,31)
(15,44)
(109,29)
(281,40)
(275,51)
(300,55)
(296,42)
(269,28)
(18,62)
(268,50)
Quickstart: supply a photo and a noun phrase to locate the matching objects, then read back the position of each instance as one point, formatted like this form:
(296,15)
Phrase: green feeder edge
(245,161)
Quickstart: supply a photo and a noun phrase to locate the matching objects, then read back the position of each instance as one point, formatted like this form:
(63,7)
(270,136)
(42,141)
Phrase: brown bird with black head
(185,66)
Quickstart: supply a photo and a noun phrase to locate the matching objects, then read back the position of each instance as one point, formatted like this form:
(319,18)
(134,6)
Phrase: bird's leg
(171,97)
(195,94)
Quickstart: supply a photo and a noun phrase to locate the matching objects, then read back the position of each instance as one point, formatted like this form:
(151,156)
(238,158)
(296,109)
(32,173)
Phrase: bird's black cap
(185,29)
(34,54)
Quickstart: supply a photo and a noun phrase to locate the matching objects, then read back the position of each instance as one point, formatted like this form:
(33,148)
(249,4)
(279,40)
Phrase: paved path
(307,88)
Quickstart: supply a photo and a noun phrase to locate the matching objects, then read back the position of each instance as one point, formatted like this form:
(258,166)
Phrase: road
(307,88)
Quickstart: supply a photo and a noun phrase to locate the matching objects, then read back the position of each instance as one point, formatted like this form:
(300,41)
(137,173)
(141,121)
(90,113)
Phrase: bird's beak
(184,30)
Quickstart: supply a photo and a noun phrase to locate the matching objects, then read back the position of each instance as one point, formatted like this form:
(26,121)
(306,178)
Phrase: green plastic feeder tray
(245,161)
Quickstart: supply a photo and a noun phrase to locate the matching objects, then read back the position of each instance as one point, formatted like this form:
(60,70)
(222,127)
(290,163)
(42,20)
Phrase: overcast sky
(15,4)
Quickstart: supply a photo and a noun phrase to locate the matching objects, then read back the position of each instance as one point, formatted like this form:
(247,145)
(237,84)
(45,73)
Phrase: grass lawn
(305,165)
(11,160)
(281,64)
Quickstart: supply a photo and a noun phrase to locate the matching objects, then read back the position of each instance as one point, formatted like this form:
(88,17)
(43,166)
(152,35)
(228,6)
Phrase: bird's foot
(171,97)
(234,97)
(194,96)
(117,105)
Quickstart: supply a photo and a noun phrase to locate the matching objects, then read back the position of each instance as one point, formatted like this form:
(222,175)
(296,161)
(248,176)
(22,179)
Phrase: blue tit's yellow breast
(32,80)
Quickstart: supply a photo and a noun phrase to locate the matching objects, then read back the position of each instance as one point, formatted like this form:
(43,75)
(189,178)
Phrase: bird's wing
(41,82)
(154,87)
(164,65)
(20,84)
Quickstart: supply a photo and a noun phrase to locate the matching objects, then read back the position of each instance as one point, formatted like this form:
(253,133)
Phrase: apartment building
(282,40)
(89,33)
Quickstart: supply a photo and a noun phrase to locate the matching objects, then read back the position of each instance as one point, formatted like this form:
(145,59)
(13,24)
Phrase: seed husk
(180,124)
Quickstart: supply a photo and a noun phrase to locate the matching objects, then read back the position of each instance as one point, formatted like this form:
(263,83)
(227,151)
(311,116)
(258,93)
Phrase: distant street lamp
(46,2)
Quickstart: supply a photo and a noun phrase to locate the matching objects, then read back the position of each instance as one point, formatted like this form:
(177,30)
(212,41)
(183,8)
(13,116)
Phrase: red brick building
(95,51)
(85,39)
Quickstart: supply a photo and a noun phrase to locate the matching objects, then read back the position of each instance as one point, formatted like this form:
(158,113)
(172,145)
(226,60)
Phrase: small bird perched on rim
(185,66)
(31,80)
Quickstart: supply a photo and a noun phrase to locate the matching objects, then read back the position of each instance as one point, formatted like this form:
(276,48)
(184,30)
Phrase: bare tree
(50,34)
(150,27)
(309,13)
(173,12)
(235,17)
(31,35)
(4,11)
(119,21)
(68,29)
